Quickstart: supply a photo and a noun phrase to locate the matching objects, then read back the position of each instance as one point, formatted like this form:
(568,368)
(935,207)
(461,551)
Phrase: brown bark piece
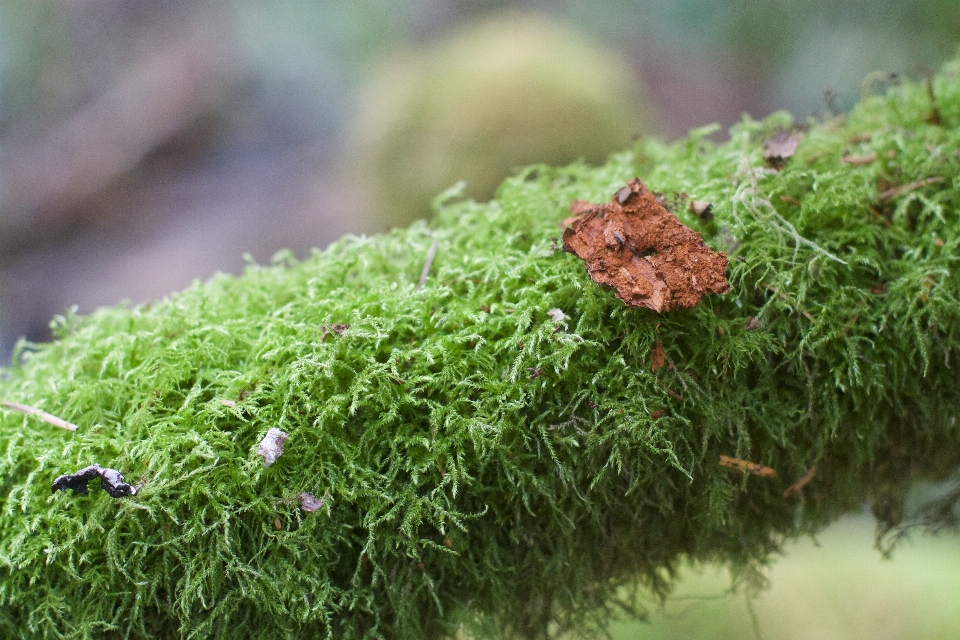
(658,356)
(644,252)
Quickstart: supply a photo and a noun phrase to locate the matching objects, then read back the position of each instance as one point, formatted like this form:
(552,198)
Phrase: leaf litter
(309,502)
(271,447)
(778,148)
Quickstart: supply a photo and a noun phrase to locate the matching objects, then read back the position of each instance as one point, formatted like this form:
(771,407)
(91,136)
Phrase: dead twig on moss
(746,465)
(801,483)
(896,192)
(866,158)
(431,252)
(43,415)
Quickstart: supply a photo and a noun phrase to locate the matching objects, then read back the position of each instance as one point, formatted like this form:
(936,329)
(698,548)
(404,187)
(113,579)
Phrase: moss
(485,466)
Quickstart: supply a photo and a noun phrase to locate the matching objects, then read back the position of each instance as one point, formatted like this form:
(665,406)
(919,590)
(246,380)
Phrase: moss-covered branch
(483,460)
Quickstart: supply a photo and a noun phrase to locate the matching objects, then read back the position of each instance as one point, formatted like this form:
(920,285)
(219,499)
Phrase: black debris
(111,481)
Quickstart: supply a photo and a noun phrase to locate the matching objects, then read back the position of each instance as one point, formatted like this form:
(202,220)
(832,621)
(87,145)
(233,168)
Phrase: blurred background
(148,143)
(835,588)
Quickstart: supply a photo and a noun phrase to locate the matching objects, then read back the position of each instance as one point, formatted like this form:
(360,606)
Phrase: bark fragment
(644,252)
(658,357)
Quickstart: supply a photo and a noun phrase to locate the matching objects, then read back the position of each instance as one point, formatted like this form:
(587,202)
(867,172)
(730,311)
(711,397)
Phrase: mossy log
(502,447)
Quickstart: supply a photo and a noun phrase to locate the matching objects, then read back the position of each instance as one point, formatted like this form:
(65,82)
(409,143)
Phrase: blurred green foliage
(494,96)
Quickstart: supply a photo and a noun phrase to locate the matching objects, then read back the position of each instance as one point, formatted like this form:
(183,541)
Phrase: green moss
(463,490)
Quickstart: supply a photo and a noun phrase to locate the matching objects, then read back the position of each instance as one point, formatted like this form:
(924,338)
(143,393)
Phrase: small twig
(801,483)
(866,158)
(672,393)
(746,465)
(43,415)
(426,265)
(896,192)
